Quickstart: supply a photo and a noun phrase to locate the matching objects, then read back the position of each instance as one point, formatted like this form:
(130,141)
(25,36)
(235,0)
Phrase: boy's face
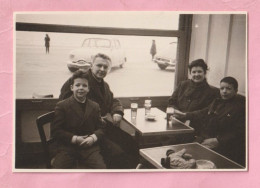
(227,90)
(80,88)
(100,68)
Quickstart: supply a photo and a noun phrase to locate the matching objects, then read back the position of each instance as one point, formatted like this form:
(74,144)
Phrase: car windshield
(103,43)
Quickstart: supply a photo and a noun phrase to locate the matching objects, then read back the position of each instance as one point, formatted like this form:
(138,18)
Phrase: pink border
(202,179)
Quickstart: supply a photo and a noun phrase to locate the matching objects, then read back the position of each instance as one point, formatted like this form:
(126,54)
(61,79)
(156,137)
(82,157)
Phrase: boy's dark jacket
(224,120)
(71,120)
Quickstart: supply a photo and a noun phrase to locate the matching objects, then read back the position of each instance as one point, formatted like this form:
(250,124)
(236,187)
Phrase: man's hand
(103,120)
(87,142)
(210,143)
(117,118)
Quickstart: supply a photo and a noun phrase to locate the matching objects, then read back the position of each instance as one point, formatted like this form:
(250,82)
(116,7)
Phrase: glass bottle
(147,106)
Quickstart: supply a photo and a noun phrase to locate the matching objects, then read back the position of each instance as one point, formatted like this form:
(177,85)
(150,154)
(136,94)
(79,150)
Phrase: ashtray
(205,164)
(150,117)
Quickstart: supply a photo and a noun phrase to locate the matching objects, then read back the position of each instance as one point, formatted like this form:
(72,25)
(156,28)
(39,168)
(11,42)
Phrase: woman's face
(197,74)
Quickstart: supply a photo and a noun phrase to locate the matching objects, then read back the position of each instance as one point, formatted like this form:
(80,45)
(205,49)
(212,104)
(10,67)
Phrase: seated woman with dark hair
(222,124)
(195,93)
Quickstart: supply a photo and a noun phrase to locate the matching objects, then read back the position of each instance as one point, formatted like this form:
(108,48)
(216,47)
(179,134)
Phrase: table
(154,155)
(158,127)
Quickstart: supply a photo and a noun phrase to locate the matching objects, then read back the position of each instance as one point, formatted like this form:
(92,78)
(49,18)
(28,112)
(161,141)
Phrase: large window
(133,73)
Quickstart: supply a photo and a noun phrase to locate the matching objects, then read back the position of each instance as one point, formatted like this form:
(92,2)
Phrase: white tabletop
(156,127)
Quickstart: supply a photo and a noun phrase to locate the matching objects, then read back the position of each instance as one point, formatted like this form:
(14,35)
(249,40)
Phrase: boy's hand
(87,142)
(80,139)
(117,118)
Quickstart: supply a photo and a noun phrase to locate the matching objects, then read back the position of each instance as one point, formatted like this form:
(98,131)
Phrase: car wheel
(121,66)
(72,69)
(162,67)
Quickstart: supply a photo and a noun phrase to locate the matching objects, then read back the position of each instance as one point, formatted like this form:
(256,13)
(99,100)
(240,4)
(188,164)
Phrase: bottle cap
(134,105)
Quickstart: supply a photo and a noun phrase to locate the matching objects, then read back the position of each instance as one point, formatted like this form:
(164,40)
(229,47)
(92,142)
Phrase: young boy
(77,128)
(222,124)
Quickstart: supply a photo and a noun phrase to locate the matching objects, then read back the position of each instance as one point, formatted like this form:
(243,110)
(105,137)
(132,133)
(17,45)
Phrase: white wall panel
(237,56)
(218,48)
(221,41)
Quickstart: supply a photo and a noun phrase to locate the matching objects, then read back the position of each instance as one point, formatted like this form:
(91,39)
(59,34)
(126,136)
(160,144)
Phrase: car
(82,58)
(166,57)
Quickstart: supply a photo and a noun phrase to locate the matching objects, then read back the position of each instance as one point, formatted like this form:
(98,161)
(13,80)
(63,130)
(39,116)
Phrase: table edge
(142,153)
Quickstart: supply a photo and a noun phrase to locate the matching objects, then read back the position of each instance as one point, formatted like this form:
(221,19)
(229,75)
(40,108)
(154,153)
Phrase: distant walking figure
(153,49)
(47,43)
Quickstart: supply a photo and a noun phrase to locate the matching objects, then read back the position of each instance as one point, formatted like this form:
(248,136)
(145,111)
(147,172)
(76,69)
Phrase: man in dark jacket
(222,124)
(119,148)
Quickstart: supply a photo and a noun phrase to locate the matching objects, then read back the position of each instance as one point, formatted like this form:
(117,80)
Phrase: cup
(134,107)
(205,164)
(169,113)
(147,106)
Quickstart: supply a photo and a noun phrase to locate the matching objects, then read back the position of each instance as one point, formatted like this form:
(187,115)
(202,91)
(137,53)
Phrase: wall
(221,41)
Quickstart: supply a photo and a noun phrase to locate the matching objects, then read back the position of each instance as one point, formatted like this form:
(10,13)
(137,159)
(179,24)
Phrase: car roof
(101,38)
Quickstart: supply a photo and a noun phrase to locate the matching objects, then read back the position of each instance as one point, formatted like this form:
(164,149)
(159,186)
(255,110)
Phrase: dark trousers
(119,149)
(69,157)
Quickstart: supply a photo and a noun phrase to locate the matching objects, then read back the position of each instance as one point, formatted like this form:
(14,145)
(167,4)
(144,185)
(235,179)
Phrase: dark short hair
(103,56)
(230,80)
(79,74)
(198,63)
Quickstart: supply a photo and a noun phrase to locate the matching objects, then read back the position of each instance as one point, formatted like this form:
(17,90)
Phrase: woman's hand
(210,143)
(178,114)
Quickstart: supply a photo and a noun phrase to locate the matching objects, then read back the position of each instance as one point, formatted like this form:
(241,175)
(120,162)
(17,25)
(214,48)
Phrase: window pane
(37,72)
(139,75)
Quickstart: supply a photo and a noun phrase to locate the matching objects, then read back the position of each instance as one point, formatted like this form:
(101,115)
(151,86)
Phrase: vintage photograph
(130,91)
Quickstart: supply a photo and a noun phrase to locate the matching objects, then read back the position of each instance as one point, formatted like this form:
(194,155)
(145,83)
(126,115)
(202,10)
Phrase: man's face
(80,88)
(227,91)
(100,68)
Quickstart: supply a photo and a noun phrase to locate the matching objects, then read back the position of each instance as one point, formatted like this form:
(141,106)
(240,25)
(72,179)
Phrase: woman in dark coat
(196,93)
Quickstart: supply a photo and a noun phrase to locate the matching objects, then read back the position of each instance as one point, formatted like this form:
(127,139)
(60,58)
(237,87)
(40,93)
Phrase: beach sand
(37,72)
